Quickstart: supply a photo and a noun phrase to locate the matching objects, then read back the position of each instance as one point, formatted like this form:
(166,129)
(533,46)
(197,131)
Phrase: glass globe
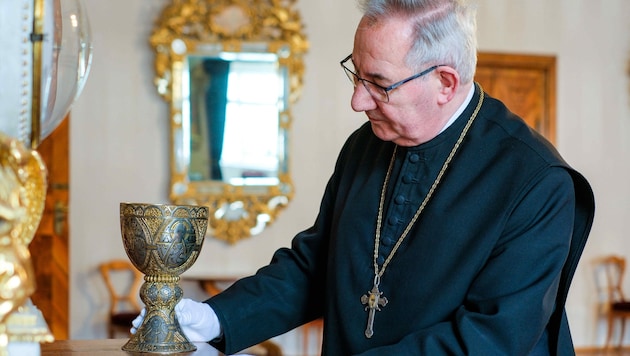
(66,60)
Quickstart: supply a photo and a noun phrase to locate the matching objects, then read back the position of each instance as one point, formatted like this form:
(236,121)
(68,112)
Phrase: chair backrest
(614,268)
(123,296)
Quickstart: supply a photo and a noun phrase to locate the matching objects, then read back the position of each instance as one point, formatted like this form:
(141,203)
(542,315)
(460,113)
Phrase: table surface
(109,347)
(114,347)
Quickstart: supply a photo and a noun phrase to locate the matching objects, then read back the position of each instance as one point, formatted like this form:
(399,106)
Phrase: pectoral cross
(373,300)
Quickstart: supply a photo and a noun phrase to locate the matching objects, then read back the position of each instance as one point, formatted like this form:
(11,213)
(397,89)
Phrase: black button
(414,158)
(387,241)
(400,200)
(393,221)
(408,178)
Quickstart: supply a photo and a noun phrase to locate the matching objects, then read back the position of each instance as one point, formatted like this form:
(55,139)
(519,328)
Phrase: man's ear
(449,83)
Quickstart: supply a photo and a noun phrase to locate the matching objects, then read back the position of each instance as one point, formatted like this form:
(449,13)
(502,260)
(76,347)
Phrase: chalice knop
(162,241)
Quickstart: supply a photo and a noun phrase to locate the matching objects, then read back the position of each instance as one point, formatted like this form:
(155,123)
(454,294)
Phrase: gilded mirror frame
(193,26)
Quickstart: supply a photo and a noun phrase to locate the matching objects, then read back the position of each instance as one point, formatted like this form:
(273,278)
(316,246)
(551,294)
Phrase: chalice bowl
(162,241)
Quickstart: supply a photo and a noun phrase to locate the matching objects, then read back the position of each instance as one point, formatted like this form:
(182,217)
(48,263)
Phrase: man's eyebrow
(378,76)
(370,75)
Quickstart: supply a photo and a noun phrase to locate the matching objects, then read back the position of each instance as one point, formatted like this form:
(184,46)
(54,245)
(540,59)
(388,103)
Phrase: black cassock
(478,273)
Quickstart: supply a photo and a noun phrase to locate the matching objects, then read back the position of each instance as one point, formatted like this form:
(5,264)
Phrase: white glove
(135,324)
(197,320)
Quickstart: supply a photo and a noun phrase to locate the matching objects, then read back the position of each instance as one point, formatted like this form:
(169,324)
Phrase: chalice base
(160,331)
(134,345)
(157,335)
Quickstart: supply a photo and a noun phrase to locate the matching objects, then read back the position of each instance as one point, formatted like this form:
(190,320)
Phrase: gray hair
(445,31)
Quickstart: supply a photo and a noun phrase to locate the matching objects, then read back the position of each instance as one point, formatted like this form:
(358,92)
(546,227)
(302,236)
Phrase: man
(447,228)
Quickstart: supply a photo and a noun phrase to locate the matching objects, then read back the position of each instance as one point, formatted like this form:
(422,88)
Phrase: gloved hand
(197,320)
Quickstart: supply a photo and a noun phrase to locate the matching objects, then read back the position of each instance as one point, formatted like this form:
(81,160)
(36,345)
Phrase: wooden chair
(124,305)
(618,306)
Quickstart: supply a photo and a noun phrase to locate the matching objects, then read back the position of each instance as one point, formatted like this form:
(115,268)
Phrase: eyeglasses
(378,92)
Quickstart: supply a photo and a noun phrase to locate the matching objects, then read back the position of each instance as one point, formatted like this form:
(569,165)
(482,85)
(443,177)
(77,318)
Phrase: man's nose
(362,100)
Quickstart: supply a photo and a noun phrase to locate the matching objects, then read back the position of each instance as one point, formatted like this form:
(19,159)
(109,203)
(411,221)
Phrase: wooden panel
(525,83)
(49,248)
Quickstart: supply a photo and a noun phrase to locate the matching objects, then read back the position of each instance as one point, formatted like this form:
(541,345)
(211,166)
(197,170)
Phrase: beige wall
(119,133)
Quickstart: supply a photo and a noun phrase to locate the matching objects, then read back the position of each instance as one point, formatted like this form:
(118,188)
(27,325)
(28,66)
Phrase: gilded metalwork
(17,280)
(36,38)
(201,26)
(230,24)
(22,197)
(162,241)
(23,187)
(27,324)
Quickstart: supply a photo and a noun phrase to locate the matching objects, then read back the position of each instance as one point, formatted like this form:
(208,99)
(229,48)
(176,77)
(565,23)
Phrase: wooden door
(49,248)
(525,83)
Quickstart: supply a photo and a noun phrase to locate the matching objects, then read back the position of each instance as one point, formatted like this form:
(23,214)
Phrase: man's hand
(197,320)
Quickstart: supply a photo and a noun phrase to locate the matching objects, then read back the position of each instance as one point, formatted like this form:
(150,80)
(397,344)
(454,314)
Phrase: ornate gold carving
(22,197)
(23,189)
(229,23)
(193,26)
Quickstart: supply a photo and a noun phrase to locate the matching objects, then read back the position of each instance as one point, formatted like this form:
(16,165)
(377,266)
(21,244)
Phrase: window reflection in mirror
(232,103)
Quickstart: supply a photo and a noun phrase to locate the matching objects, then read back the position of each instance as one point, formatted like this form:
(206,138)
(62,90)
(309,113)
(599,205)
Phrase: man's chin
(382,130)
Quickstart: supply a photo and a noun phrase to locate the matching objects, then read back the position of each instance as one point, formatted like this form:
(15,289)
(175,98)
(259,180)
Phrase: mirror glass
(230,76)
(233,104)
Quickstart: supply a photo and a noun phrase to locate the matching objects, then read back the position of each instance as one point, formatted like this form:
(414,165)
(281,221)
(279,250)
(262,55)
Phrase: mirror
(230,70)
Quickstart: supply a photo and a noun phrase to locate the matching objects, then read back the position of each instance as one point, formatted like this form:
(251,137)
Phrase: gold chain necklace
(374,299)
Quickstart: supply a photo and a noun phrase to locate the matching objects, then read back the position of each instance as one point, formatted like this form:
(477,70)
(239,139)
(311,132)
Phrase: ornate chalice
(162,241)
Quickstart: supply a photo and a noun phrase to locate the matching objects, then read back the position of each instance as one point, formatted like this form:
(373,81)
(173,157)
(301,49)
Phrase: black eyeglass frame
(386,90)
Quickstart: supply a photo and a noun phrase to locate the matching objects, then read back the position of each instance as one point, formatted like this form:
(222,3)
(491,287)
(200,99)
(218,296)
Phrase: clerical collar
(460,110)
